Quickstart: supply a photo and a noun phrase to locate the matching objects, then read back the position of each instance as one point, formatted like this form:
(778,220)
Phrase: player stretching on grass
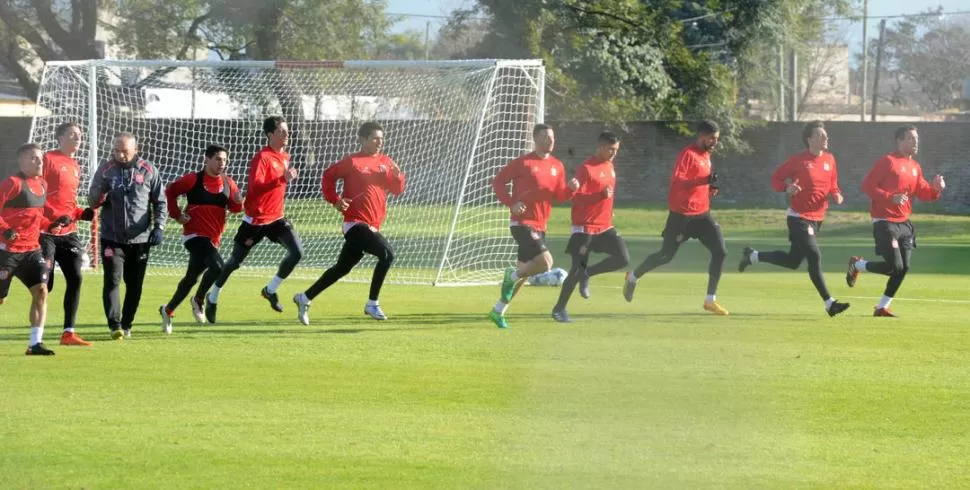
(692,185)
(809,178)
(537,178)
(367,176)
(892,184)
(592,224)
(208,194)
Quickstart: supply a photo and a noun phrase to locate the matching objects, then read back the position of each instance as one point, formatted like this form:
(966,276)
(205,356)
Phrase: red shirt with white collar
(535,183)
(818,177)
(592,210)
(367,180)
(266,186)
(896,174)
(62,174)
(690,193)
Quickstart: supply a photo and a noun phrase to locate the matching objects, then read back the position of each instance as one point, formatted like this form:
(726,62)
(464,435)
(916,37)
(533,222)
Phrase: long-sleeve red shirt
(63,176)
(895,174)
(207,204)
(689,189)
(266,186)
(535,183)
(22,208)
(816,175)
(592,210)
(367,180)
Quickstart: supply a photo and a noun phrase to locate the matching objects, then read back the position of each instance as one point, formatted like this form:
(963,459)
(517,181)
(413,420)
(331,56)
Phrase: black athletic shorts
(248,235)
(30,267)
(889,236)
(681,227)
(802,231)
(53,246)
(531,243)
(608,242)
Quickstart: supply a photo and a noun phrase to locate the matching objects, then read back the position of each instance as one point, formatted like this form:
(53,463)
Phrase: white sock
(515,275)
(36,335)
(274,284)
(302,298)
(860,265)
(711,298)
(500,307)
(69,329)
(214,294)
(884,301)
(372,302)
(754,257)
(828,303)
(631,277)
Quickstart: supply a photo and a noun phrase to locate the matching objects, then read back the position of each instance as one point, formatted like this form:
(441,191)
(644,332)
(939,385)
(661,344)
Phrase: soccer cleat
(584,283)
(629,286)
(39,349)
(303,308)
(745,259)
(274,300)
(715,308)
(117,334)
(166,320)
(126,332)
(210,310)
(885,312)
(498,319)
(375,312)
(197,305)
(852,274)
(837,308)
(561,316)
(508,285)
(71,338)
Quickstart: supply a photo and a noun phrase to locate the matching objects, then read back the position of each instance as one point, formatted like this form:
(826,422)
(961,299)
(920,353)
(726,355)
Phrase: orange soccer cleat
(71,338)
(715,308)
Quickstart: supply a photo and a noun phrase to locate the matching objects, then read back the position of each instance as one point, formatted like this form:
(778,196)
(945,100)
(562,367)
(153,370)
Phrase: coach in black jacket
(129,192)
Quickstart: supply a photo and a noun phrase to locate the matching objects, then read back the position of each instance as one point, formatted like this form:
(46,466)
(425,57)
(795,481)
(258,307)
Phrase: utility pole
(865,60)
(875,76)
(427,40)
(793,82)
(781,83)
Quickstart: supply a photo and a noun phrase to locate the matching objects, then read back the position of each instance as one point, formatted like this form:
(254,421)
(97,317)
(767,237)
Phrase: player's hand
(87,214)
(573,184)
(183,218)
(793,188)
(342,205)
(157,237)
(608,192)
(10,234)
(58,224)
(899,198)
(838,198)
(290,174)
(938,183)
(713,190)
(518,208)
(712,179)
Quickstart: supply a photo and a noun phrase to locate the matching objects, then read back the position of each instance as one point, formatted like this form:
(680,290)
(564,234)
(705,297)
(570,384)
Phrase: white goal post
(450,125)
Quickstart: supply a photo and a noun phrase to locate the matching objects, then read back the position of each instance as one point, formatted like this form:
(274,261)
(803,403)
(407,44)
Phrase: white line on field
(875,298)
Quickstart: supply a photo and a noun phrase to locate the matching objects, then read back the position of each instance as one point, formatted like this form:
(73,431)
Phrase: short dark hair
(211,150)
(62,128)
(901,132)
(608,138)
(809,129)
(272,123)
(707,127)
(538,128)
(26,147)
(368,129)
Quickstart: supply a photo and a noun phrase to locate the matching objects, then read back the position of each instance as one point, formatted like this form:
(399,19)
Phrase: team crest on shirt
(535,169)
(914,172)
(602,174)
(139,178)
(553,172)
(826,167)
(613,173)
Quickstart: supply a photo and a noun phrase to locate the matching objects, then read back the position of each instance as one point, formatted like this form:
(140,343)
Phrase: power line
(942,13)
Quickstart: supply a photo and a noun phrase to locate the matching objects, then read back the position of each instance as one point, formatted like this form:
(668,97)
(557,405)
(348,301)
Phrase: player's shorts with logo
(803,232)
(890,235)
(608,242)
(248,235)
(30,267)
(681,227)
(531,243)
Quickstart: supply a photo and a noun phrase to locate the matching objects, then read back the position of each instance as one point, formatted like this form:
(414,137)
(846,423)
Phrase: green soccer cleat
(498,319)
(508,285)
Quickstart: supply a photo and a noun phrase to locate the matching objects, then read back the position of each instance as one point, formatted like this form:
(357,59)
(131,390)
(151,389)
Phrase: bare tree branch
(53,27)
(192,34)
(75,16)
(11,58)
(20,28)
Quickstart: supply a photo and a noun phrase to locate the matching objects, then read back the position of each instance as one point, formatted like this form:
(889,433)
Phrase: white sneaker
(375,312)
(302,308)
(127,333)
(197,310)
(166,322)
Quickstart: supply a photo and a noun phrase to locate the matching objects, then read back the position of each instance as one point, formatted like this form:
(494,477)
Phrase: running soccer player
(269,174)
(367,176)
(62,175)
(592,224)
(692,184)
(809,178)
(892,183)
(208,194)
(537,178)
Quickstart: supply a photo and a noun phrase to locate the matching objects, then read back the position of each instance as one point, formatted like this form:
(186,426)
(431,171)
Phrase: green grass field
(649,394)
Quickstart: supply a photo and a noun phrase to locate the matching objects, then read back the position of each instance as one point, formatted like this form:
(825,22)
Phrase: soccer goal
(450,125)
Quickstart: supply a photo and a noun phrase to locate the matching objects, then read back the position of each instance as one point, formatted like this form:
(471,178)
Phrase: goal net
(450,125)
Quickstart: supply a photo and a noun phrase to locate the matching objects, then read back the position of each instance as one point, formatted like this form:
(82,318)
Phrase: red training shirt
(690,193)
(207,212)
(818,178)
(62,174)
(894,174)
(592,210)
(535,183)
(266,186)
(22,208)
(367,180)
